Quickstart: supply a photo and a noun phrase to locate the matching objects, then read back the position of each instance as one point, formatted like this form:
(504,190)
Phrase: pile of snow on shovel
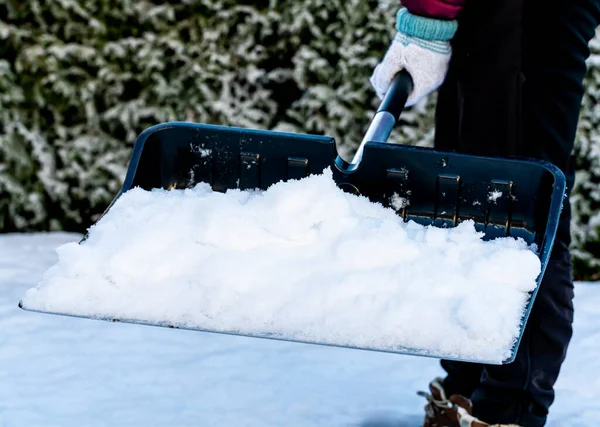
(302,260)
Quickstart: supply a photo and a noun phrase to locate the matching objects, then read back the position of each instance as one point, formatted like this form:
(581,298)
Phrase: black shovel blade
(503,196)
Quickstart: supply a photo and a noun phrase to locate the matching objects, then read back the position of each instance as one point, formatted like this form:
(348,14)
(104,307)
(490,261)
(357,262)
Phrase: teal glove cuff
(441,47)
(425,28)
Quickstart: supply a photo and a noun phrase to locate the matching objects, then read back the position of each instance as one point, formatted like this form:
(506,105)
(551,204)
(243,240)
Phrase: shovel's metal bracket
(249,171)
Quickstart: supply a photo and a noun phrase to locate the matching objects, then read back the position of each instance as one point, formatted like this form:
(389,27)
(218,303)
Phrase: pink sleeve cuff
(440,9)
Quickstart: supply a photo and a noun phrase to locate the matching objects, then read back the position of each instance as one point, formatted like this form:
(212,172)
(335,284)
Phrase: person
(509,80)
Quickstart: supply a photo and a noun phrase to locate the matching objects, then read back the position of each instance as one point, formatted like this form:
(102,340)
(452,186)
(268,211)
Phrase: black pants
(514,88)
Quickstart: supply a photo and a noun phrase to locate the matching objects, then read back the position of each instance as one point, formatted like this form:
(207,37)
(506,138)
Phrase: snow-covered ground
(58,371)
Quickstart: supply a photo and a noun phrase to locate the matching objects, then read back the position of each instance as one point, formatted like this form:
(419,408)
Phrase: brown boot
(453,411)
(440,410)
(465,419)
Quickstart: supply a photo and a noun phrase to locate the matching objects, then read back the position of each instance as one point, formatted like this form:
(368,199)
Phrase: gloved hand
(422,47)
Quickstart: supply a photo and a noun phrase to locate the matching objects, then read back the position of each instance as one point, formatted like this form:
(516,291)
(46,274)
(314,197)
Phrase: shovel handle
(388,113)
(397,95)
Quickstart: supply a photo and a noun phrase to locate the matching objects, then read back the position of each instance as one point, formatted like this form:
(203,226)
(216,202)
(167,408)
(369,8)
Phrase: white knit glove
(422,47)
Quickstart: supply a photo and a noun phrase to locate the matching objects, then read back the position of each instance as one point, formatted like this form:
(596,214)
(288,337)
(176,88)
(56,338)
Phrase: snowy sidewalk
(57,371)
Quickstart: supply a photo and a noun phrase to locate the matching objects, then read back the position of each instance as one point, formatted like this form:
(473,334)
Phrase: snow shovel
(443,188)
